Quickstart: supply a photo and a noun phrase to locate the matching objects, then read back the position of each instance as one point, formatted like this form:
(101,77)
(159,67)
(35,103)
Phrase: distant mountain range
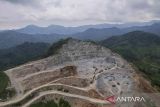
(98,34)
(12,38)
(33,29)
(53,33)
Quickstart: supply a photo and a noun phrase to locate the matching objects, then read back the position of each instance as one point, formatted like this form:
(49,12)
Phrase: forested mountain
(140,48)
(21,54)
(154,28)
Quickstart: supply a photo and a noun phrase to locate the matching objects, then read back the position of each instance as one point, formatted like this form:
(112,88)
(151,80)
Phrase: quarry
(82,73)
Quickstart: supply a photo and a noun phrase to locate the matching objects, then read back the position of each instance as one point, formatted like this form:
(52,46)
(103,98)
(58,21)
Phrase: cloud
(72,12)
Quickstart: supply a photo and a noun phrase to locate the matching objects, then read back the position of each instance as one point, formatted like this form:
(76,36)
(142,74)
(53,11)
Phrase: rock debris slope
(83,73)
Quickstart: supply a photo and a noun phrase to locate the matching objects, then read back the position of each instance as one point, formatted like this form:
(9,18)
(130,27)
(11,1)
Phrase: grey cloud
(79,11)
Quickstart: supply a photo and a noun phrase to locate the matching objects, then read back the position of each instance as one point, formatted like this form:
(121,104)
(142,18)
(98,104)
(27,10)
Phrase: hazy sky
(18,13)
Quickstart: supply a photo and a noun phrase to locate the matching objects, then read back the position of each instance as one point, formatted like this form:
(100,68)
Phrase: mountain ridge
(59,29)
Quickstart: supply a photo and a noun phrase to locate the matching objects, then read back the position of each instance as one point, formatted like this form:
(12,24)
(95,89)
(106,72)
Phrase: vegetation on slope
(62,103)
(21,54)
(56,46)
(4,82)
(140,48)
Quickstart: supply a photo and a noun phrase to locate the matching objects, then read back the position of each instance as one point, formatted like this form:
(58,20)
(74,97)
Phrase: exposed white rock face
(94,67)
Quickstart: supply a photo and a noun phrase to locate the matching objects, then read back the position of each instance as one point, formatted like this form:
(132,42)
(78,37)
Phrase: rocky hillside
(140,48)
(83,74)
